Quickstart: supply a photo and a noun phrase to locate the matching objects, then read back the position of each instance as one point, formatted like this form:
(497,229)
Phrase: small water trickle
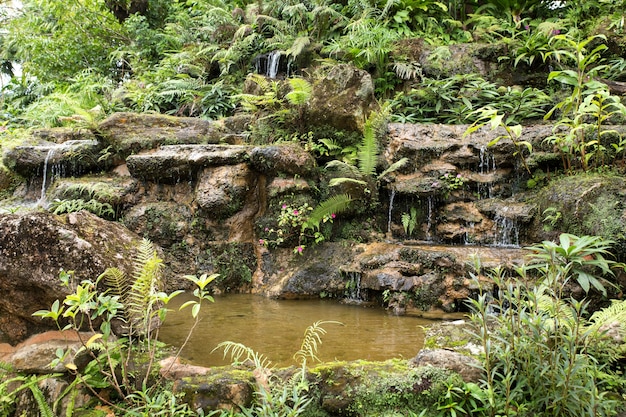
(42,199)
(429,218)
(354,294)
(507,232)
(273,59)
(391,198)
(486,166)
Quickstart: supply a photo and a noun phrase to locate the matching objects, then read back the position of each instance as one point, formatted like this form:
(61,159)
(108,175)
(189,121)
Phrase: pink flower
(458,175)
(261,242)
(284,206)
(434,184)
(332,216)
(267,229)
(299,249)
(295,212)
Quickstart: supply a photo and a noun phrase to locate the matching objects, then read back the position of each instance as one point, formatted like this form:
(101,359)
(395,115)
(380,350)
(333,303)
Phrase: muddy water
(275,328)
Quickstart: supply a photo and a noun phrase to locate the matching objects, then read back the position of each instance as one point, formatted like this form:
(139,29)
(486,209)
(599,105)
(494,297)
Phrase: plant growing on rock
(121,360)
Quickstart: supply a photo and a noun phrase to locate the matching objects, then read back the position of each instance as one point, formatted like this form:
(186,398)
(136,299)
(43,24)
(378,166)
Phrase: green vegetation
(120,362)
(543,353)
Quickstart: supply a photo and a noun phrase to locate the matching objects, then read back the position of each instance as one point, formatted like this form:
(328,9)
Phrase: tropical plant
(104,210)
(409,221)
(274,398)
(539,353)
(589,100)
(487,115)
(138,302)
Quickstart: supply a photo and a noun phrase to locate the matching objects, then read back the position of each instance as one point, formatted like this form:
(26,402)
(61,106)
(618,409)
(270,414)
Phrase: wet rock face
(222,190)
(35,246)
(70,158)
(282,159)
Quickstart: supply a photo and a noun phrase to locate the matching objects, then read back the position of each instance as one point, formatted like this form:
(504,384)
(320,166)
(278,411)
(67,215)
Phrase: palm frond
(312,340)
(333,205)
(241,353)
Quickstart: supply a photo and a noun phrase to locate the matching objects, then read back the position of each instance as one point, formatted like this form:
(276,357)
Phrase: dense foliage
(73,63)
(91,57)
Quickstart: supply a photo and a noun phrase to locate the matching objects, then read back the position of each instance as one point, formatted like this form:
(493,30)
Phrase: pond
(275,328)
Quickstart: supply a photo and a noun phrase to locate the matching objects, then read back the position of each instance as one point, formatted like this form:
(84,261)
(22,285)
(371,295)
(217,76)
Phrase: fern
(335,204)
(393,167)
(368,151)
(299,45)
(615,312)
(240,353)
(300,93)
(407,70)
(312,340)
(116,281)
(42,404)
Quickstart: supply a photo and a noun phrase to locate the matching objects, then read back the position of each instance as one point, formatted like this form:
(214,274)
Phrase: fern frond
(312,340)
(393,167)
(337,181)
(300,93)
(333,205)
(342,168)
(115,279)
(146,282)
(42,404)
(299,44)
(407,70)
(614,312)
(368,151)
(241,353)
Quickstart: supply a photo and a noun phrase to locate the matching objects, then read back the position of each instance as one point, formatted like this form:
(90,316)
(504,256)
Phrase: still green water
(275,328)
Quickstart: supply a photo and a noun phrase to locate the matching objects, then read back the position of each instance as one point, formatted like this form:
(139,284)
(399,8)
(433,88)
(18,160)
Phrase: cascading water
(486,166)
(391,198)
(429,218)
(353,288)
(273,59)
(42,199)
(507,232)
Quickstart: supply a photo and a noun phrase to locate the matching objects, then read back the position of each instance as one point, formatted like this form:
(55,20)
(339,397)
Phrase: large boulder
(343,99)
(35,246)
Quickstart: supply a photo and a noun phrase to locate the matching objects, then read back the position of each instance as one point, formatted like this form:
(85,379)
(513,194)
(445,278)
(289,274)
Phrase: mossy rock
(586,204)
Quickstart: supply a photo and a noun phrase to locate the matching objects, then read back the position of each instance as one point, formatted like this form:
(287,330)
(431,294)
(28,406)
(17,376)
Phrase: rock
(174,163)
(70,158)
(34,355)
(130,133)
(63,134)
(217,390)
(343,99)
(222,191)
(172,369)
(289,159)
(35,246)
(466,366)
(117,191)
(164,223)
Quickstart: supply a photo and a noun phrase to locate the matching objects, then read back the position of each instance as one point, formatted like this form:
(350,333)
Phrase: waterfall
(354,295)
(42,198)
(391,197)
(507,232)
(486,166)
(429,218)
(273,59)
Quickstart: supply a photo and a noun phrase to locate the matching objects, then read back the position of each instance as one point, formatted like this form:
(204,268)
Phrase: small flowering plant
(450,182)
(293,226)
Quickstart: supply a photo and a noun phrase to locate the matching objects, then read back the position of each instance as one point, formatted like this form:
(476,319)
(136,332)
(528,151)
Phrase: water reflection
(275,328)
